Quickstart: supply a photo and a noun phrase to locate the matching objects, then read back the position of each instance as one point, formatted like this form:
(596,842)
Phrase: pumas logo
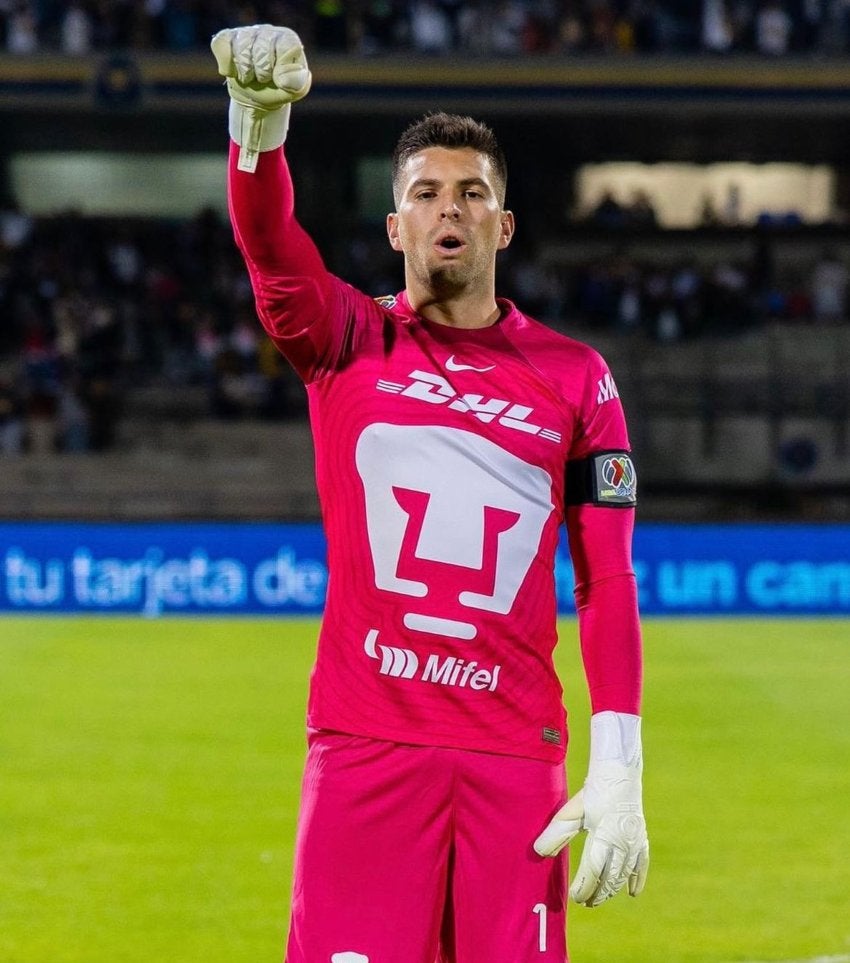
(456,542)
(398,663)
(607,389)
(435,390)
(349,957)
(453,365)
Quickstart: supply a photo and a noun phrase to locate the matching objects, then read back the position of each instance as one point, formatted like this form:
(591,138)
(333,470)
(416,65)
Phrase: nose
(450,211)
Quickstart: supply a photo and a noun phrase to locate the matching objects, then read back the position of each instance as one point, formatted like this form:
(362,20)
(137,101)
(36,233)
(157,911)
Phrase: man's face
(450,221)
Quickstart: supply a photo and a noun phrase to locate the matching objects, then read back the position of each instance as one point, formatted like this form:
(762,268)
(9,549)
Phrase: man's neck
(464,311)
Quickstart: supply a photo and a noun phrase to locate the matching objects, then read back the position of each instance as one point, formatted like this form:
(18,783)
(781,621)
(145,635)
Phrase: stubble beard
(448,281)
(451,280)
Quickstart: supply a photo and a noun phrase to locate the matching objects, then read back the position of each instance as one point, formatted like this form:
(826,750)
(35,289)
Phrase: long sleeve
(600,538)
(303,308)
(606,601)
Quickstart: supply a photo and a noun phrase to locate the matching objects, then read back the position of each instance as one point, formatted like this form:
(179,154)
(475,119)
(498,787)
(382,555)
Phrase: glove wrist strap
(615,737)
(256,130)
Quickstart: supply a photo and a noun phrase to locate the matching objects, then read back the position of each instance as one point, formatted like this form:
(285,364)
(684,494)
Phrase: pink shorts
(415,854)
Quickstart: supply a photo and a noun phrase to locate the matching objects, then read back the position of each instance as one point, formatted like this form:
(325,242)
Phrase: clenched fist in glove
(266,71)
(610,809)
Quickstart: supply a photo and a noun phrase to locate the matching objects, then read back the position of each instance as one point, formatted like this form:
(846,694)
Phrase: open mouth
(449,244)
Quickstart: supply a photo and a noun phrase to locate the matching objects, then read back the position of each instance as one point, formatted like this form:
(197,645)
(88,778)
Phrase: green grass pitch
(149,786)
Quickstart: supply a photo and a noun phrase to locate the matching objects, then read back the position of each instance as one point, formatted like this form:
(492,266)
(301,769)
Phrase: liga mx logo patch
(616,479)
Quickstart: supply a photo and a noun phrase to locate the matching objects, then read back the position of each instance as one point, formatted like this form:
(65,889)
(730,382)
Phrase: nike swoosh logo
(453,365)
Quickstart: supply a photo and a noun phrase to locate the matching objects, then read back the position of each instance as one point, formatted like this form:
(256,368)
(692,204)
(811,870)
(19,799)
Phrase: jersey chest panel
(477,390)
(440,469)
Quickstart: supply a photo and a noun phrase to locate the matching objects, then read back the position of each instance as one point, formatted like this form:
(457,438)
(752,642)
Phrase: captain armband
(603,478)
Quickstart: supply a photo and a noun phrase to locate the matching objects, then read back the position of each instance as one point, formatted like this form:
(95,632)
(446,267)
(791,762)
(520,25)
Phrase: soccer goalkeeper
(453,434)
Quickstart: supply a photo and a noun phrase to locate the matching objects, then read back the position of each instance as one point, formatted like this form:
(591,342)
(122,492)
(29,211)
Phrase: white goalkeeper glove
(266,71)
(609,807)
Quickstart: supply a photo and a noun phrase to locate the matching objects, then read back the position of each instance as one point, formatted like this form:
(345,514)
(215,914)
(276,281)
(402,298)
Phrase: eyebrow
(433,182)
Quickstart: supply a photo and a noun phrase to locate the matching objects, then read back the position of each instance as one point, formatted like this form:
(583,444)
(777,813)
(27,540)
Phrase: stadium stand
(729,341)
(438,27)
(110,349)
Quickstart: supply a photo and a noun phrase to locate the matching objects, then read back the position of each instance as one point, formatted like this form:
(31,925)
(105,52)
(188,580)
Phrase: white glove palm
(609,807)
(266,71)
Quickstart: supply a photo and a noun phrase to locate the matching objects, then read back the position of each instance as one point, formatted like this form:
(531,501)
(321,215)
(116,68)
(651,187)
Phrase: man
(453,435)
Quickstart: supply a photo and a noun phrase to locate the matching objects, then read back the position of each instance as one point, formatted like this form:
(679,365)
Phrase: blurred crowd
(687,299)
(94,308)
(434,27)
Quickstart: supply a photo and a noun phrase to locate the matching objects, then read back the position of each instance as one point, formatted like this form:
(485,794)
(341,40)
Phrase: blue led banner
(157,569)
(744,569)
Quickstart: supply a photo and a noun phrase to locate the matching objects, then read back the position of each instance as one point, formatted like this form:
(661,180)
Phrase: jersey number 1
(540,910)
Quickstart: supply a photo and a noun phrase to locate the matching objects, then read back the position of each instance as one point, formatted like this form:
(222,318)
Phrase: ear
(506,229)
(392,232)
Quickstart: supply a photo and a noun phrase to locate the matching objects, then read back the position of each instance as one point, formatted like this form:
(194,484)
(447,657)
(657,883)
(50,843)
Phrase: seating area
(171,470)
(438,27)
(740,428)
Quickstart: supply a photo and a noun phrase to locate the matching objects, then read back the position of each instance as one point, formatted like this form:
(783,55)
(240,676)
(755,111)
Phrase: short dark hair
(453,131)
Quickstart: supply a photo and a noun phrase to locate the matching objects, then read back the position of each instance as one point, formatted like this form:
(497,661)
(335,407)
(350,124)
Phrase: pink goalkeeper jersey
(440,465)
